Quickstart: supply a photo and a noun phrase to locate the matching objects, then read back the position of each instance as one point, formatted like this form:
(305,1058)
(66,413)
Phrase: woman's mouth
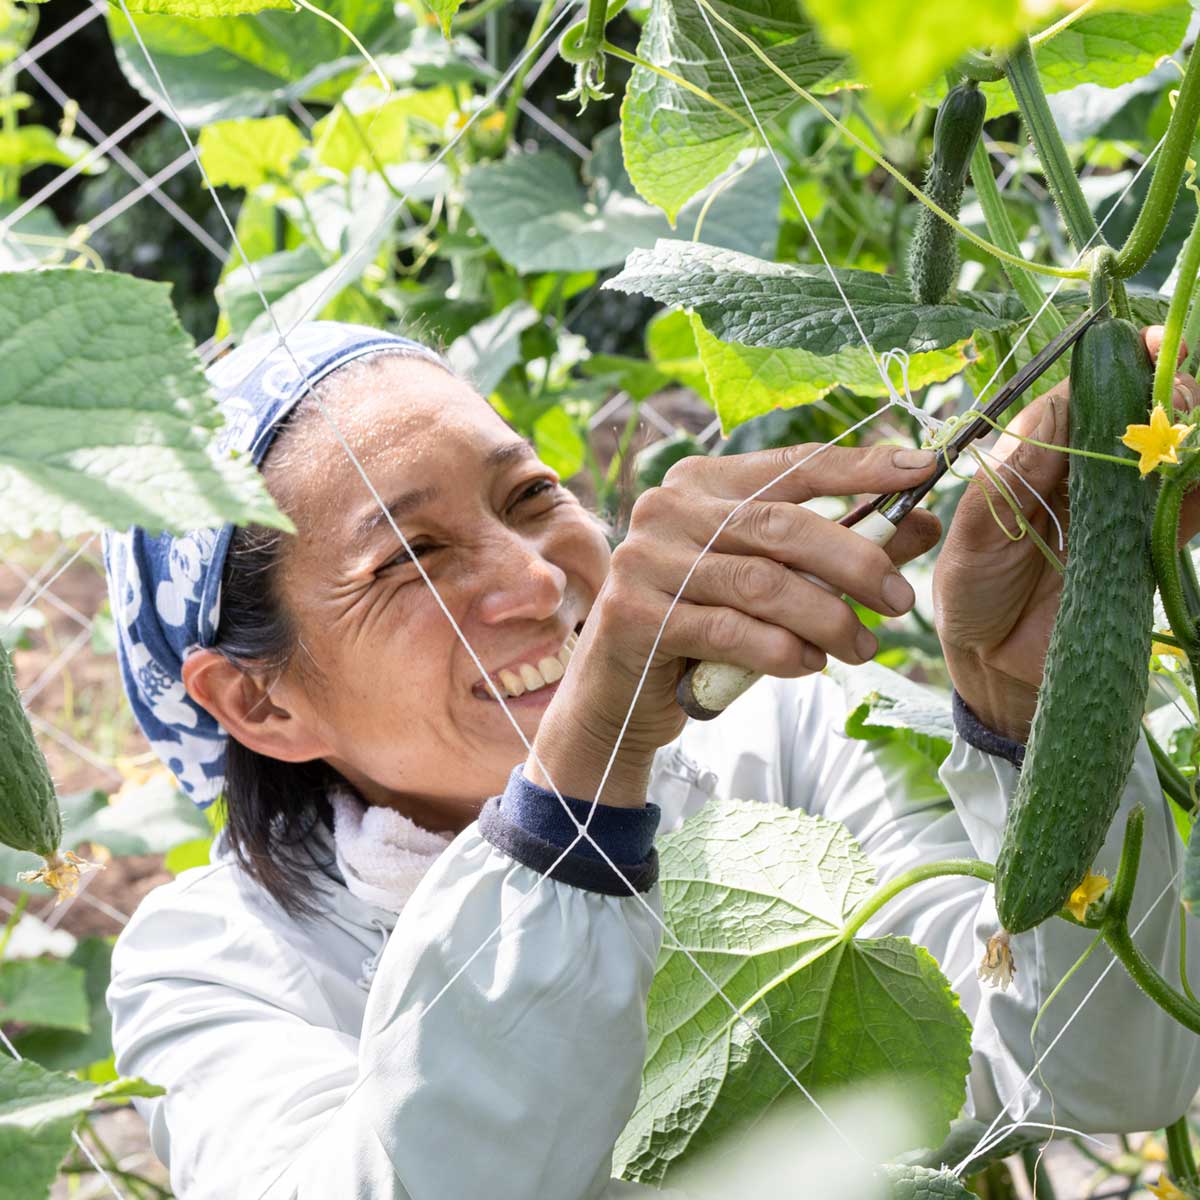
(535,677)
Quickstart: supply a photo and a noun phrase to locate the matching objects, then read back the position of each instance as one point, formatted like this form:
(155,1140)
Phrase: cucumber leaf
(676,142)
(108,419)
(535,213)
(747,381)
(39,1110)
(204,8)
(45,993)
(65,1051)
(923,1183)
(1105,49)
(784,305)
(247,151)
(760,895)
(215,68)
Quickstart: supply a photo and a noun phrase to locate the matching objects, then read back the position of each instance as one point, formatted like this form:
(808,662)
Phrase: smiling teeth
(528,678)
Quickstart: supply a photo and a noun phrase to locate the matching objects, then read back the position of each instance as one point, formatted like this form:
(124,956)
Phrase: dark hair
(273,807)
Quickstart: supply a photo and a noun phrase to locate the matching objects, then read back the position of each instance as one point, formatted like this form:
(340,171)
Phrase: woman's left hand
(995,599)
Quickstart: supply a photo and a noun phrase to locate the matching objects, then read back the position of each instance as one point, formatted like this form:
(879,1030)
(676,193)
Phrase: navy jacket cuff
(975,733)
(528,823)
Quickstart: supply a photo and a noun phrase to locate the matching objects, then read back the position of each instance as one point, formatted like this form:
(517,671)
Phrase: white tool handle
(708,688)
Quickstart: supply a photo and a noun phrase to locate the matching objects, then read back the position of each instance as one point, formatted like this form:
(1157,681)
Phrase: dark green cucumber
(29,815)
(933,252)
(1094,686)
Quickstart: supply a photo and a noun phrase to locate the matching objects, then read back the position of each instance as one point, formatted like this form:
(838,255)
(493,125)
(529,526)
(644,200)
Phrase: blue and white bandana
(165,591)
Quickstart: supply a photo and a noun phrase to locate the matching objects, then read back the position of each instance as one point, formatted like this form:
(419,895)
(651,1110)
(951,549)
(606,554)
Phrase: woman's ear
(244,706)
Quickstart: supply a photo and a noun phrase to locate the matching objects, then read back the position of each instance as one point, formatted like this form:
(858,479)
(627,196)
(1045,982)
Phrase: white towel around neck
(380,852)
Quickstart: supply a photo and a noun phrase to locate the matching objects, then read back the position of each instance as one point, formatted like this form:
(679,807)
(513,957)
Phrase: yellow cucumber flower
(1157,442)
(1087,893)
(1164,1189)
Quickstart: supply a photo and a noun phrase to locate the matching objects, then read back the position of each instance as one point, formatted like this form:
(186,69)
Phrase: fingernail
(911,460)
(897,593)
(866,644)
(814,659)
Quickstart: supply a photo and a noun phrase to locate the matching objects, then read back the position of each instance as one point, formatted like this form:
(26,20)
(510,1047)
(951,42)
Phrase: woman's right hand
(745,604)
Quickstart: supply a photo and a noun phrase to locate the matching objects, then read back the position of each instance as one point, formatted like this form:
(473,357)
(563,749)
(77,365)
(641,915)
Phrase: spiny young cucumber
(933,252)
(1096,676)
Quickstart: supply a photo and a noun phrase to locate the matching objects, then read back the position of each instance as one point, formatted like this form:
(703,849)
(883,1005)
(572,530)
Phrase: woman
(329,1004)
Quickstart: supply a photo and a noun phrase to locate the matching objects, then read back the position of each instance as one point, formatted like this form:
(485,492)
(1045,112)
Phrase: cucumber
(29,814)
(933,252)
(1093,691)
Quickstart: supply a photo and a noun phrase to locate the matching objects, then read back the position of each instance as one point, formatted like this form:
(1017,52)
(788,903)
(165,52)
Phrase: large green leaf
(204,8)
(676,142)
(43,992)
(883,705)
(747,381)
(486,351)
(1106,49)
(39,1110)
(923,1183)
(240,66)
(760,303)
(533,210)
(760,895)
(108,419)
(30,146)
(64,1051)
(248,151)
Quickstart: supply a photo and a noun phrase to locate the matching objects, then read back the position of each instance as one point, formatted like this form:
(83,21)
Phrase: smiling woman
(407,972)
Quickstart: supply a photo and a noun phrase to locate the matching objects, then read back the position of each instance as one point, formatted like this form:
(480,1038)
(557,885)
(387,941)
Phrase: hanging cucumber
(1096,676)
(933,253)
(29,815)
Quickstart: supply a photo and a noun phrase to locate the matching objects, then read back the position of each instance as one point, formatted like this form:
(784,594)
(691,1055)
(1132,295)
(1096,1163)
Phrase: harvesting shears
(708,688)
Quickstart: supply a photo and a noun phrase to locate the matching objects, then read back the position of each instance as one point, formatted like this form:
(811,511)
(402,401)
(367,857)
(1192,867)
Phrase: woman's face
(388,687)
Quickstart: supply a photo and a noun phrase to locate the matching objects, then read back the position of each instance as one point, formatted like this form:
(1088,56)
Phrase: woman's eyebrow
(405,504)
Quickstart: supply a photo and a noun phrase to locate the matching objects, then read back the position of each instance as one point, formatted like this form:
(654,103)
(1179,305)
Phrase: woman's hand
(995,599)
(746,602)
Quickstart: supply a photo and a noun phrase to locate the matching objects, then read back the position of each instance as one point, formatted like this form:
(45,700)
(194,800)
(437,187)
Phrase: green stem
(517,89)
(1120,898)
(1183,956)
(880,161)
(1191,338)
(585,39)
(890,890)
(1185,286)
(1170,778)
(980,67)
(1179,1150)
(1168,174)
(1149,980)
(11,923)
(1191,585)
(1164,551)
(1026,85)
(1000,229)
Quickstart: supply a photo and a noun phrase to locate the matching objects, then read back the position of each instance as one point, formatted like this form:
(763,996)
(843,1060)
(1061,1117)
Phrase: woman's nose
(521,583)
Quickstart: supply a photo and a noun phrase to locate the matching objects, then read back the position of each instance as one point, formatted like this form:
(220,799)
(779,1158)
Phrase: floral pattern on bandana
(257,386)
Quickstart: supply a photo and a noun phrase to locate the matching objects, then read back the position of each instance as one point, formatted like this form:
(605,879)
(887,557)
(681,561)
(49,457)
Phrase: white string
(1067,1025)
(41,589)
(112,1187)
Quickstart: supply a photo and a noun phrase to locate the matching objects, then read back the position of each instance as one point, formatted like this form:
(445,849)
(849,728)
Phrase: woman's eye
(403,558)
(539,487)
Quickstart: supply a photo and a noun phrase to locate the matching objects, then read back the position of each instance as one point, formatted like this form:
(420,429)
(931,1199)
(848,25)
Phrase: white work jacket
(426,1057)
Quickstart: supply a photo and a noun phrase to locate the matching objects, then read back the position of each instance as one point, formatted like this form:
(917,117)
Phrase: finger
(769,592)
(806,541)
(917,534)
(799,473)
(1029,471)
(1152,336)
(1185,393)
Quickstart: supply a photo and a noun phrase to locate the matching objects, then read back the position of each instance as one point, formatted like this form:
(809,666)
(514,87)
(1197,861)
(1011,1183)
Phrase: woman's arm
(498,1062)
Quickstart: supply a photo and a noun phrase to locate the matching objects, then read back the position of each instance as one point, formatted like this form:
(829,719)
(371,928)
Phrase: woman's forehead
(407,423)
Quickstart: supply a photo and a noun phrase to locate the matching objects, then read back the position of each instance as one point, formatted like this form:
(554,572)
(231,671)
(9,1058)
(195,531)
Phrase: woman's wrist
(571,758)
(1003,704)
